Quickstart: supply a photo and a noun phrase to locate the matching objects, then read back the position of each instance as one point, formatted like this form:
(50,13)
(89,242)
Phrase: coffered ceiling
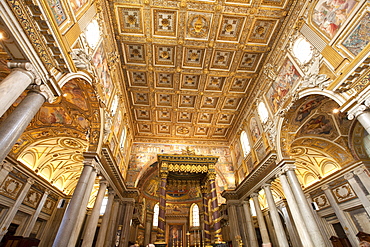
(190,65)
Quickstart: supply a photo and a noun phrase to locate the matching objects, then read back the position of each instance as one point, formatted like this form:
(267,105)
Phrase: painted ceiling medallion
(198,26)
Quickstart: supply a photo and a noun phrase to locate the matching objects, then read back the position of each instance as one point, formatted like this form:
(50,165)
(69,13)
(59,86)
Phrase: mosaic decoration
(358,39)
(130,20)
(57,10)
(330,16)
(222,59)
(255,129)
(77,4)
(198,25)
(250,61)
(288,75)
(262,31)
(164,55)
(100,64)
(230,28)
(135,53)
(165,22)
(194,57)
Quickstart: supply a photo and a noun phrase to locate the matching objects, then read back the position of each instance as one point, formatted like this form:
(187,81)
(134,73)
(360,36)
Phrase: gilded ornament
(198,26)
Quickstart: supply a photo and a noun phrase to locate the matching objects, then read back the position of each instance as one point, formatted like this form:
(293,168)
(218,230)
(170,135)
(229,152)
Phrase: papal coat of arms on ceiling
(198,26)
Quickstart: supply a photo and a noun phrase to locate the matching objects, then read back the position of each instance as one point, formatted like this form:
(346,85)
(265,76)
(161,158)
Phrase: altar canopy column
(214,206)
(261,221)
(278,225)
(162,205)
(207,234)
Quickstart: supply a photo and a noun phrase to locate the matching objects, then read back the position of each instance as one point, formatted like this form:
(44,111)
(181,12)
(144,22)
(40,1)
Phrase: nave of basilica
(184,123)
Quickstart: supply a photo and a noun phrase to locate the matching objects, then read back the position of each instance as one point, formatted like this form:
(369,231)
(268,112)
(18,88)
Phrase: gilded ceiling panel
(190,63)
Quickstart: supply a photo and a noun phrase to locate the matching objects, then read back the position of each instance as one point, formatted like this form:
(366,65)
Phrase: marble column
(304,207)
(128,212)
(92,223)
(214,207)
(207,233)
(112,227)
(252,236)
(14,125)
(346,225)
(5,168)
(279,228)
(9,216)
(298,219)
(261,221)
(105,221)
(364,176)
(71,215)
(359,192)
(82,214)
(162,209)
(148,227)
(32,221)
(22,75)
(233,221)
(362,115)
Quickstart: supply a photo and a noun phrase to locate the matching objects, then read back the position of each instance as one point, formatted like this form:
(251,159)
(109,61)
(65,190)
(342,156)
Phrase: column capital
(348,176)
(103,181)
(356,111)
(111,191)
(280,173)
(28,68)
(266,185)
(288,167)
(359,171)
(253,195)
(7,166)
(31,181)
(44,91)
(325,187)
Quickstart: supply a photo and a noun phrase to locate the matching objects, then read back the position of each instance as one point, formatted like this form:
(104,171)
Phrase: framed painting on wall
(175,235)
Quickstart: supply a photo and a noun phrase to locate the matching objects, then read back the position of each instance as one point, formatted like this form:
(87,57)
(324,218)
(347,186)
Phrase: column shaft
(35,215)
(234,227)
(215,208)
(279,229)
(305,209)
(129,211)
(207,233)
(341,217)
(359,192)
(364,119)
(104,224)
(14,85)
(162,209)
(7,220)
(112,227)
(261,221)
(83,208)
(14,125)
(71,215)
(364,177)
(89,234)
(298,220)
(253,242)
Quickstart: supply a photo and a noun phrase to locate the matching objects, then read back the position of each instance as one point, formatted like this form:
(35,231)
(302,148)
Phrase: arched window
(262,112)
(156,215)
(302,50)
(194,215)
(245,143)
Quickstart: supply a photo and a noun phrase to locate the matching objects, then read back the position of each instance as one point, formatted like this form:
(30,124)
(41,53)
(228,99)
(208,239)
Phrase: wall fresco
(57,10)
(255,130)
